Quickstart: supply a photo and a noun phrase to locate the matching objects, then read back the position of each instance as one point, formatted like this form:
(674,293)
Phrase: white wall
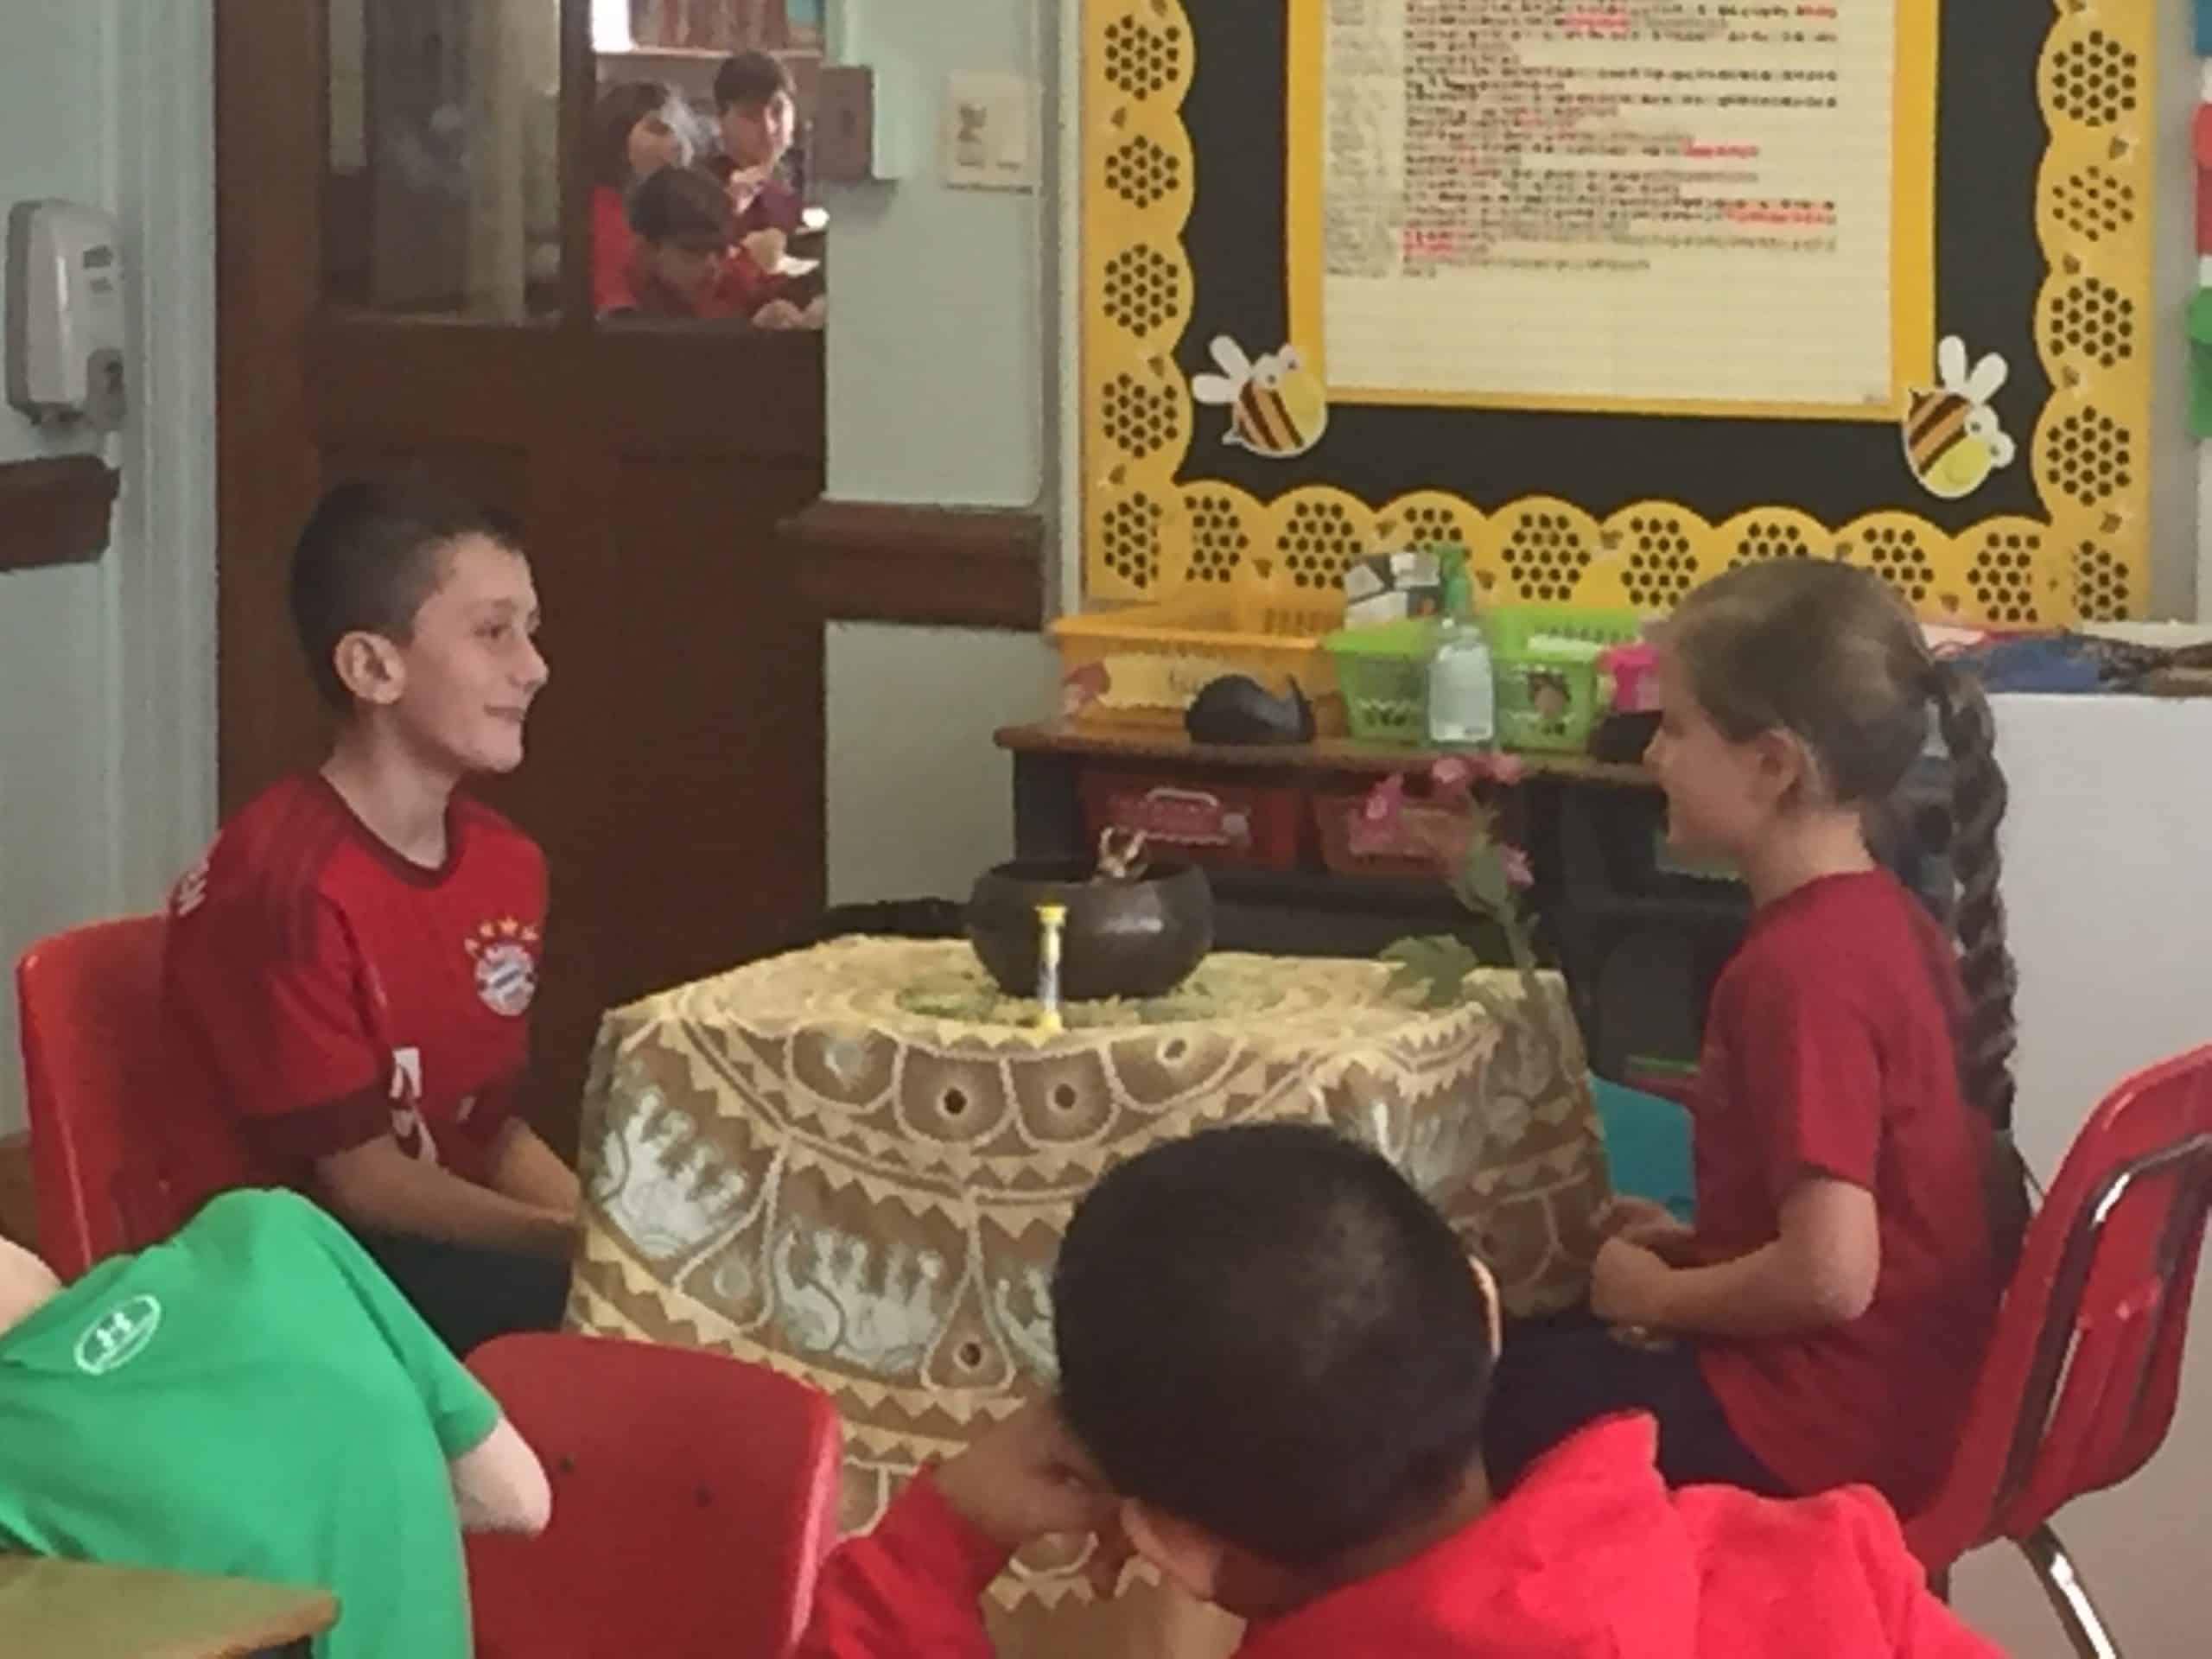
(2105,860)
(2181,546)
(106,690)
(942,379)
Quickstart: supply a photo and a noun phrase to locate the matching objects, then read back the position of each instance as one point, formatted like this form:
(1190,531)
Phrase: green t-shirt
(251,1398)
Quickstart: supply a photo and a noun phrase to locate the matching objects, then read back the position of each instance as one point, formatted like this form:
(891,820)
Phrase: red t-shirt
(1830,1051)
(330,991)
(612,243)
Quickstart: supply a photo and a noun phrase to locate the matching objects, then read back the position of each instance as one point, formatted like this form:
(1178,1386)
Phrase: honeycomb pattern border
(1152,527)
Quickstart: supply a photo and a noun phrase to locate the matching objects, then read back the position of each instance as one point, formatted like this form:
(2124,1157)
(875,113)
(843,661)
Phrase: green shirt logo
(118,1336)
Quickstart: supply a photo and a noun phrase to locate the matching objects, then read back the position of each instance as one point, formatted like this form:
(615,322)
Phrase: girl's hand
(1627,1284)
(1639,1221)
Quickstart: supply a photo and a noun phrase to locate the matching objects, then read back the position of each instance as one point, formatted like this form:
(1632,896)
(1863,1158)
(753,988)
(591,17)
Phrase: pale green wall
(941,348)
(54,624)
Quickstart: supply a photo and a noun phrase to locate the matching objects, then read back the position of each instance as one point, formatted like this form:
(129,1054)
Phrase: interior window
(444,193)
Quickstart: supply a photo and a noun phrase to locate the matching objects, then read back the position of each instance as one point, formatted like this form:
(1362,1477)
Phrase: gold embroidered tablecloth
(808,1163)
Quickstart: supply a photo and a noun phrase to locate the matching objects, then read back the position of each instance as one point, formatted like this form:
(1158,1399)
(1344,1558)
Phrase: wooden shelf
(1328,754)
(54,510)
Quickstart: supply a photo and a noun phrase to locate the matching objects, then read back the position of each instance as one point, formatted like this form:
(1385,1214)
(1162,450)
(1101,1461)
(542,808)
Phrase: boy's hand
(766,250)
(1627,1284)
(1025,1478)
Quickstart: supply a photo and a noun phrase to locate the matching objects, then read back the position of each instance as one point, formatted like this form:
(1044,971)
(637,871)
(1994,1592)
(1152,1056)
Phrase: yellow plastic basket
(1142,665)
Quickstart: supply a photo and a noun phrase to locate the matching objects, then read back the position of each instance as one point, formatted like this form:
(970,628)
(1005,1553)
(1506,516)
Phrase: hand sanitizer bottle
(1462,695)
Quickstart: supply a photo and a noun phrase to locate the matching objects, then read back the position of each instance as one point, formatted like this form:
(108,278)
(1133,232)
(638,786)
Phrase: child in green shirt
(254,1399)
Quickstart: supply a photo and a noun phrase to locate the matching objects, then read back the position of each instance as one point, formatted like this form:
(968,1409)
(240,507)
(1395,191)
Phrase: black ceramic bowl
(1123,939)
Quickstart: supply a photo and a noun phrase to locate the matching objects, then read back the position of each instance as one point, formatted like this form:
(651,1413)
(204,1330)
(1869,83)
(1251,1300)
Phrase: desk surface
(1326,754)
(53,1608)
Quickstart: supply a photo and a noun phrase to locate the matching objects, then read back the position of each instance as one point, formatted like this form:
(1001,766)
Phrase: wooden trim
(579,96)
(54,512)
(1326,754)
(943,566)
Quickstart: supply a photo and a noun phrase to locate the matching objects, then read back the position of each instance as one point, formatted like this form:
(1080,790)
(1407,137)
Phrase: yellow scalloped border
(1148,531)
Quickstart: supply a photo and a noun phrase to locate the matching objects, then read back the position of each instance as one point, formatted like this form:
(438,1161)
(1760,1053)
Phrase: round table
(811,1163)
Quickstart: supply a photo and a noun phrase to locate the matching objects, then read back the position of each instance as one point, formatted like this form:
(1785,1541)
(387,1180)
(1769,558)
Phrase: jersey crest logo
(118,1336)
(506,954)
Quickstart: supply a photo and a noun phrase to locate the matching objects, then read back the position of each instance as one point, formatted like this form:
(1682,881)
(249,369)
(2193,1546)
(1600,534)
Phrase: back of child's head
(371,551)
(682,204)
(749,79)
(1267,1332)
(621,107)
(1830,653)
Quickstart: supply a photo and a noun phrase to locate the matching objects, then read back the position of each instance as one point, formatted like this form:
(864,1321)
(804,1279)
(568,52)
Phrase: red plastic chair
(94,1064)
(694,1497)
(2085,1367)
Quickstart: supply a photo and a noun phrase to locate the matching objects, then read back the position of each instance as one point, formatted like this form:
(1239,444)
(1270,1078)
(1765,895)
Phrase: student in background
(680,221)
(352,964)
(639,127)
(759,115)
(251,1399)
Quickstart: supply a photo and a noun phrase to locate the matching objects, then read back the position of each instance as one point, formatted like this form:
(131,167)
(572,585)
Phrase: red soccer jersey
(1590,1555)
(331,991)
(1830,1051)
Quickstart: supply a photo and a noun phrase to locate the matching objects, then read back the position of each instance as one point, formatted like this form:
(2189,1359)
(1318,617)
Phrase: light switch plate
(989,132)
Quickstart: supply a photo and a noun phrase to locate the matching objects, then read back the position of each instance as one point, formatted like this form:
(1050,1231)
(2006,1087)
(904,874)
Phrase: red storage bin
(1207,821)
(1351,846)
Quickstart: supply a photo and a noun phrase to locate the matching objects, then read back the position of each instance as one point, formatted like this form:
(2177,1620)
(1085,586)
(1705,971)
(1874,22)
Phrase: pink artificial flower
(1385,800)
(1518,871)
(1507,768)
(1455,774)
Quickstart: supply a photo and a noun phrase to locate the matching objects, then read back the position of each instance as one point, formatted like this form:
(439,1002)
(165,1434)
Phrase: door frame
(157,78)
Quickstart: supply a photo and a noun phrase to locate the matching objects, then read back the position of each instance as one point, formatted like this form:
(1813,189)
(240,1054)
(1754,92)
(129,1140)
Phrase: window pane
(443,192)
(699,188)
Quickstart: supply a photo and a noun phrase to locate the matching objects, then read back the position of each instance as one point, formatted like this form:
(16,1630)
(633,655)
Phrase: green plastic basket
(1550,698)
(1382,673)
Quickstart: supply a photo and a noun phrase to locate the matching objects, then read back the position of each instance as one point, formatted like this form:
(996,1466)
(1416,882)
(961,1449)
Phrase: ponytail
(1989,1035)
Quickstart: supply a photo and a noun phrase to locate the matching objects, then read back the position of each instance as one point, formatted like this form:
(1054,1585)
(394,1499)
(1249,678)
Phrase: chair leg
(2069,1597)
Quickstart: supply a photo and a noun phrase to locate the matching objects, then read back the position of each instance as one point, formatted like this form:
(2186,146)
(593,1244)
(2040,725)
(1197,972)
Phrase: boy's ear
(370,666)
(1188,1555)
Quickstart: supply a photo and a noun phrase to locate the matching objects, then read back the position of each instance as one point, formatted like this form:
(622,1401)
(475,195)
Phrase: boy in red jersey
(353,962)
(1272,1371)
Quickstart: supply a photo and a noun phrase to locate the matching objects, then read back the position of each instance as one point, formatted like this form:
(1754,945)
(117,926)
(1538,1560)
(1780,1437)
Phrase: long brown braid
(1990,1035)
(1830,653)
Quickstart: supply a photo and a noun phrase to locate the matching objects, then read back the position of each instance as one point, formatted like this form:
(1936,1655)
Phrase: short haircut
(620,108)
(748,80)
(369,554)
(1268,1332)
(682,202)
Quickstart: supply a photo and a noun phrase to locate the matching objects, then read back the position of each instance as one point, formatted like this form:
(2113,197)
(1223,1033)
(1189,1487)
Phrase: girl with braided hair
(1859,1200)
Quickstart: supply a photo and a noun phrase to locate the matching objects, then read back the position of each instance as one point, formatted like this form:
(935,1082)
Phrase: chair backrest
(694,1497)
(95,1063)
(2084,1369)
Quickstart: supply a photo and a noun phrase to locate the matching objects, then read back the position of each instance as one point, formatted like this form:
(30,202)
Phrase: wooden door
(675,769)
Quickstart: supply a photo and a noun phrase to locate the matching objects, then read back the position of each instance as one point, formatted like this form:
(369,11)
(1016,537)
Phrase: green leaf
(1482,883)
(1437,966)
